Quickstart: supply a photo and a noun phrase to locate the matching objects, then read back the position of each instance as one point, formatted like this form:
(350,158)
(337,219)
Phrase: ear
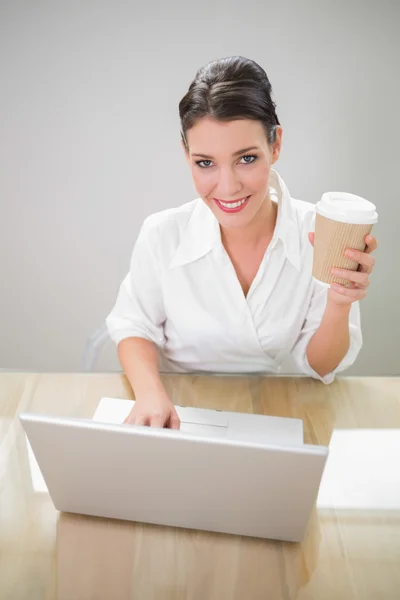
(276,148)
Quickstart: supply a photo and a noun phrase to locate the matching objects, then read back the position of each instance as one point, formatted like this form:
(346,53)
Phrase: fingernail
(350,253)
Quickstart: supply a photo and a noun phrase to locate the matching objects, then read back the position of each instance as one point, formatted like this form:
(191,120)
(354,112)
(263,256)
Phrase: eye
(206,164)
(253,158)
(200,163)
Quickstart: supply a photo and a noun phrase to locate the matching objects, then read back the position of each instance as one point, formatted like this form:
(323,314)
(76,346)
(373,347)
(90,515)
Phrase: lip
(231,210)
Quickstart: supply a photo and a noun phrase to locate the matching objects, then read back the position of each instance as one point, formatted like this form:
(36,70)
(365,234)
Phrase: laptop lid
(175,478)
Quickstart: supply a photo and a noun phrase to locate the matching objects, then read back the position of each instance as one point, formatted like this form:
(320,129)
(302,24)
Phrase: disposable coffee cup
(342,221)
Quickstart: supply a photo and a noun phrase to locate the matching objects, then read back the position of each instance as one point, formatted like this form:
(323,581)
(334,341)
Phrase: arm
(139,360)
(331,342)
(331,337)
(136,324)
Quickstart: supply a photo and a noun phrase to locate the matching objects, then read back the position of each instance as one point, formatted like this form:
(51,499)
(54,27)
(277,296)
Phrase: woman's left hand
(358,280)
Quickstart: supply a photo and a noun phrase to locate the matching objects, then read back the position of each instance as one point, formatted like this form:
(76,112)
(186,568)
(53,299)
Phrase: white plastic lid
(347,208)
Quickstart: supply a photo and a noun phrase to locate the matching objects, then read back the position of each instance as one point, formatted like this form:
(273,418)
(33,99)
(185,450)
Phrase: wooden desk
(352,549)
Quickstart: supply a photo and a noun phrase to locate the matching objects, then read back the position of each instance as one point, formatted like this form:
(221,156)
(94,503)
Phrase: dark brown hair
(228,89)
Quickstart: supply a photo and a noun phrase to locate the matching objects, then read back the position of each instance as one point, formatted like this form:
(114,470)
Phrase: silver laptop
(222,471)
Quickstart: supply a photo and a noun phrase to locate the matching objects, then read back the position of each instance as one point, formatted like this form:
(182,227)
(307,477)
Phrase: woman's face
(230,164)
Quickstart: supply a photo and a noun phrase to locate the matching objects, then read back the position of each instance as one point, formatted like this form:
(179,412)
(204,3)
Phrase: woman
(223,283)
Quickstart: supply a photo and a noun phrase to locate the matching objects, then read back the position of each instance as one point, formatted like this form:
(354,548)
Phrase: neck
(260,228)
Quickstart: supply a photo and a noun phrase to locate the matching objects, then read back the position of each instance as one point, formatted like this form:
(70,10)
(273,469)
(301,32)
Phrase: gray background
(90,145)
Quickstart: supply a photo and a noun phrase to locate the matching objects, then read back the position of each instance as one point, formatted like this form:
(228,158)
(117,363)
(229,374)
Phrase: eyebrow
(234,154)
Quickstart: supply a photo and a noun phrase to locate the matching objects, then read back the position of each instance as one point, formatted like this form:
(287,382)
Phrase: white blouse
(182,293)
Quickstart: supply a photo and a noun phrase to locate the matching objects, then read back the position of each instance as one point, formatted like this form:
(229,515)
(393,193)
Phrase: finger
(138,420)
(174,421)
(371,244)
(355,276)
(311,237)
(158,420)
(363,258)
(351,292)
(130,419)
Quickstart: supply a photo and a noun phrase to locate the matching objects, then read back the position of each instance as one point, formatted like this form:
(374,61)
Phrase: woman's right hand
(154,411)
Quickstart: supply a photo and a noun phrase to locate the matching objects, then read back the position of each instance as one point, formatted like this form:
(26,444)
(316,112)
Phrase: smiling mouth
(233,206)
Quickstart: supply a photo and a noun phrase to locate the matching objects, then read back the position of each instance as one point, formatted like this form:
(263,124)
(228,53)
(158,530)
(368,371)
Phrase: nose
(228,184)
